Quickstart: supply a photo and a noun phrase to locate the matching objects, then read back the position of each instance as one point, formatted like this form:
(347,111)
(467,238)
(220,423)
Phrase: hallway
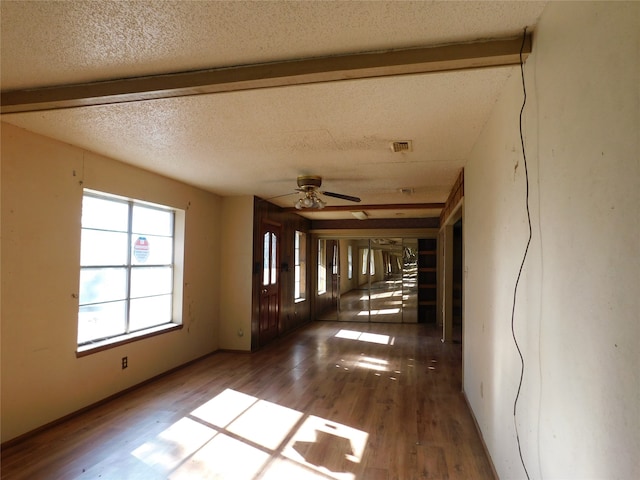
(330,401)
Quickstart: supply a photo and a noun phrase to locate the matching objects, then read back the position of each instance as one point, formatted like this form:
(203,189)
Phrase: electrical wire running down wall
(524,258)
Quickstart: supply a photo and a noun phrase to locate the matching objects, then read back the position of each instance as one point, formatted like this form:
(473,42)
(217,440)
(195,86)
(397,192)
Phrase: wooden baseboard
(484,445)
(31,433)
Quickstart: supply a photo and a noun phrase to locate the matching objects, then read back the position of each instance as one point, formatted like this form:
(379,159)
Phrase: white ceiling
(256,142)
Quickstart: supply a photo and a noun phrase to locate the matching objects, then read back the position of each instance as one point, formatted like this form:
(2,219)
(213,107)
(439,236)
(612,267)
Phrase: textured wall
(42,379)
(577,311)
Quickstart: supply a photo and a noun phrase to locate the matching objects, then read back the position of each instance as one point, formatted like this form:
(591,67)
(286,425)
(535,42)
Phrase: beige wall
(236,272)
(577,312)
(42,379)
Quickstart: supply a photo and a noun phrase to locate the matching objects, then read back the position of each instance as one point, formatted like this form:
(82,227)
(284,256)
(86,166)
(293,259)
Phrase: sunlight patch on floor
(169,449)
(365,337)
(384,311)
(241,437)
(373,364)
(223,457)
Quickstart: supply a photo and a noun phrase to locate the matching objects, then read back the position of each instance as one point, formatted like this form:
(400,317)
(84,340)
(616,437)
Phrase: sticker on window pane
(141,249)
(151,250)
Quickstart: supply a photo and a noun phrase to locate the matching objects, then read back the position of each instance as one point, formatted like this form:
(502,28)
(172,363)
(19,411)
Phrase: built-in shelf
(427,278)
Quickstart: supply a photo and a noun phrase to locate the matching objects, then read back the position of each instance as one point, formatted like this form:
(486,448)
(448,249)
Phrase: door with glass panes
(269,283)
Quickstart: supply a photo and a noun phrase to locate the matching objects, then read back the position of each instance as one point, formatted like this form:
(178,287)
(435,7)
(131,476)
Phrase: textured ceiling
(256,142)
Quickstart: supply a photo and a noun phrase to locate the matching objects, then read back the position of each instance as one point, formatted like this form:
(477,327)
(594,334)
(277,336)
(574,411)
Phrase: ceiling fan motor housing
(307,182)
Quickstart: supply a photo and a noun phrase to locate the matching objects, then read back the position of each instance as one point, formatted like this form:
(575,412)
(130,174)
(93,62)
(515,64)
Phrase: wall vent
(402,146)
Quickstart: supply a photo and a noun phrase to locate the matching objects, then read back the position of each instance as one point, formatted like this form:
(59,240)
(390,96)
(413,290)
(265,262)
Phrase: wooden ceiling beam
(459,56)
(359,208)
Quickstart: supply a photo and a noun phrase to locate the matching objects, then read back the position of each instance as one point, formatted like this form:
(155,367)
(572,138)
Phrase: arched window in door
(270,257)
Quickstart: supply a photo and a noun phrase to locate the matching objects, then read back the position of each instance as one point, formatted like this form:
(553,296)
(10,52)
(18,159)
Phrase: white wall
(42,380)
(236,285)
(577,312)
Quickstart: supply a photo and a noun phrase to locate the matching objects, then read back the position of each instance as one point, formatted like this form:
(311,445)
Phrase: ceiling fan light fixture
(360,215)
(310,200)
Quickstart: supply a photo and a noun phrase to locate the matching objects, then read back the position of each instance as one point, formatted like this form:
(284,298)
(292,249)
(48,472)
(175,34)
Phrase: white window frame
(176,265)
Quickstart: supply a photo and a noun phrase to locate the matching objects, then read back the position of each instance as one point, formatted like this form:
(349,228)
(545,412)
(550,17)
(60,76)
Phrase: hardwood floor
(331,401)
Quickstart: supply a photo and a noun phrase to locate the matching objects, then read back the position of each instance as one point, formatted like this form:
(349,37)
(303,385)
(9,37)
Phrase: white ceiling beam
(460,56)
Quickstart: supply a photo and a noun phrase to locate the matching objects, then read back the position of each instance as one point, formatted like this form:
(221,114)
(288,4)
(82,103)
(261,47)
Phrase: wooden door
(269,283)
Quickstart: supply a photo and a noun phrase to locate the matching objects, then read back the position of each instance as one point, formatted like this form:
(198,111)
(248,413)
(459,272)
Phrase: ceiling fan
(309,185)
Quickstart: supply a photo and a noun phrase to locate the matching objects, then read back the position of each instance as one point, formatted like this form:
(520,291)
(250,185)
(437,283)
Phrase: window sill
(102,345)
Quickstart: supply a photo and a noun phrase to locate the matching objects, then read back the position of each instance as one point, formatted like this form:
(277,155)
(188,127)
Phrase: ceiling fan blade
(278,196)
(340,195)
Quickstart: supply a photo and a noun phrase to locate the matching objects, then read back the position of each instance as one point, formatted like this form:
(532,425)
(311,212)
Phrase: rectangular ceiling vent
(403,146)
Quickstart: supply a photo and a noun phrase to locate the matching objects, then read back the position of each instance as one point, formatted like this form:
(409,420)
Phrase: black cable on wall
(524,257)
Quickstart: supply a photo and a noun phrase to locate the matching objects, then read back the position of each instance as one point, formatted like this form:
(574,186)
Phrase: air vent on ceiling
(403,146)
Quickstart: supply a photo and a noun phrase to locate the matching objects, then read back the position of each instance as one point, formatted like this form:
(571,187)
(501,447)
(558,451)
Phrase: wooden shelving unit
(427,279)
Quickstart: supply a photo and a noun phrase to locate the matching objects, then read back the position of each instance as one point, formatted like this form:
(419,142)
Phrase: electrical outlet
(125,362)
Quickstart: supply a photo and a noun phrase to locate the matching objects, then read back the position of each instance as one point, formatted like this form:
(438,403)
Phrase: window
(372,263)
(300,260)
(322,267)
(269,259)
(349,262)
(367,259)
(126,267)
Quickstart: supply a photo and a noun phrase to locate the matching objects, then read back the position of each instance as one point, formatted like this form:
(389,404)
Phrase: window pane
(103,248)
(147,281)
(265,259)
(274,257)
(151,250)
(296,282)
(101,321)
(104,214)
(102,285)
(149,312)
(151,221)
(322,270)
(372,263)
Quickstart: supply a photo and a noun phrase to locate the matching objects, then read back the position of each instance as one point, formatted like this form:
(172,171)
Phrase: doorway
(458,278)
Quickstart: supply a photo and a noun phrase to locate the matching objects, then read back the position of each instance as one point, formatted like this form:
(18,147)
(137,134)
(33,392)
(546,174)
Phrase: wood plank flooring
(330,401)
